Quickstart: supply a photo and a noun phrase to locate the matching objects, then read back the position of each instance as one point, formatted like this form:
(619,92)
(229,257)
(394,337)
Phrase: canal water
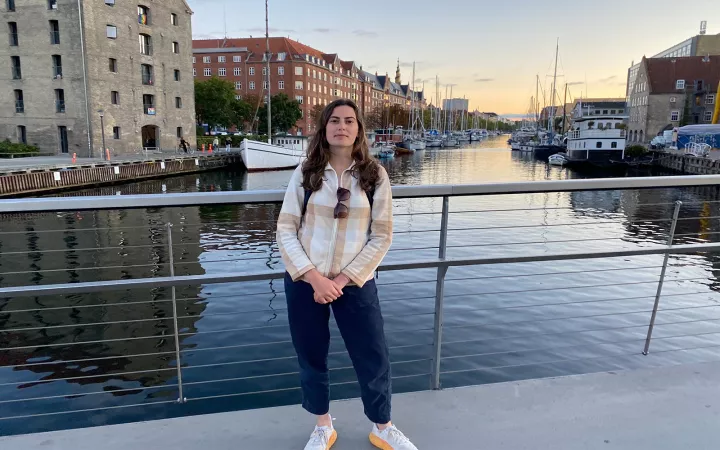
(93,359)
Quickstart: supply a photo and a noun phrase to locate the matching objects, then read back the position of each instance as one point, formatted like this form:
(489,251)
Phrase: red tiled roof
(257,45)
(663,73)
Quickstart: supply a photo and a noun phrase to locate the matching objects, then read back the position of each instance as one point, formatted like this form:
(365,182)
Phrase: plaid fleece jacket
(354,246)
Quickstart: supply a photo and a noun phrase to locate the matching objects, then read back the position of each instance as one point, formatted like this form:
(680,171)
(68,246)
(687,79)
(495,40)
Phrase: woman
(334,229)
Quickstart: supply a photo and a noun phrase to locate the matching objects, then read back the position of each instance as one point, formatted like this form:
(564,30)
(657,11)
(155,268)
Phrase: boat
(597,140)
(262,156)
(386,153)
(271,155)
(558,159)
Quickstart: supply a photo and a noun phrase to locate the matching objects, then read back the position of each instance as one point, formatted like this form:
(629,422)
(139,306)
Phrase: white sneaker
(323,438)
(390,439)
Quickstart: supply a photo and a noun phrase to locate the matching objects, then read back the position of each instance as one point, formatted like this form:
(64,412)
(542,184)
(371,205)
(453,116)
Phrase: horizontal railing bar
(68,344)
(190,350)
(69,250)
(105,375)
(74,411)
(699,218)
(70,230)
(227,260)
(211,224)
(99,286)
(75,361)
(538,242)
(99,305)
(697,234)
(50,397)
(476,211)
(80,269)
(541,225)
(93,324)
(266,327)
(227,347)
(42,204)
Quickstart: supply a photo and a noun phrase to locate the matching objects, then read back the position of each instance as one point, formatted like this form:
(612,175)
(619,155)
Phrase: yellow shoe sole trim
(379,443)
(333,438)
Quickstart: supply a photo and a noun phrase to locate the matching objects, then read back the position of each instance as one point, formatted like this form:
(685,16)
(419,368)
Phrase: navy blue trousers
(358,316)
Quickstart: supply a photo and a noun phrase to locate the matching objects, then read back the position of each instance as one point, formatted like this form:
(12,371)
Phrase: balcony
(586,134)
(60,106)
(19,106)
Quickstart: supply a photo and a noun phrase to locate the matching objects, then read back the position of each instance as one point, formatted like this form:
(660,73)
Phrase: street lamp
(102,131)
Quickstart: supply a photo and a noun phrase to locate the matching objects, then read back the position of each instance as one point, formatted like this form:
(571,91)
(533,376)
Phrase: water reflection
(503,322)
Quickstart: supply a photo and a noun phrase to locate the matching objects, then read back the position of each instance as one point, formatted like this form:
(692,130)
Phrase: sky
(488,51)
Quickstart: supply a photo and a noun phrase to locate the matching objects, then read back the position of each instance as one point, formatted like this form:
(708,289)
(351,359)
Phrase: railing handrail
(27,205)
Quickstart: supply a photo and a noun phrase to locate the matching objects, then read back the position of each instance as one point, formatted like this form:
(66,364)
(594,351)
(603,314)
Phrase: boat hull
(261,156)
(544,151)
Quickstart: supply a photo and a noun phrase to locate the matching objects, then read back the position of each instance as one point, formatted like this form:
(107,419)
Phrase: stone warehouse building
(70,65)
(671,92)
(301,72)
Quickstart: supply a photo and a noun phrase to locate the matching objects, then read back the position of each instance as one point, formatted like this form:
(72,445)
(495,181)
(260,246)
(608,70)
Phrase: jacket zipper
(333,238)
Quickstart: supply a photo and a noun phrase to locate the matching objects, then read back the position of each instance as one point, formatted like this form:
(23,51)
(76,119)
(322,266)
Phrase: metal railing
(608,133)
(492,315)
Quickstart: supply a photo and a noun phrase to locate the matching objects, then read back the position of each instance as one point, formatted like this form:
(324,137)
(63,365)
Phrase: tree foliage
(285,113)
(214,102)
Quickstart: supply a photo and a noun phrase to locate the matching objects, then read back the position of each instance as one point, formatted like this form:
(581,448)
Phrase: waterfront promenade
(666,408)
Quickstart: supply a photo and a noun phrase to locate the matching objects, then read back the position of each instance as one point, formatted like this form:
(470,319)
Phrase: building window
(265,85)
(194,72)
(13,29)
(59,100)
(173,19)
(176,48)
(179,132)
(206,59)
(708,116)
(621,111)
(237,58)
(149,104)
(710,99)
(221,59)
(238,97)
(251,71)
(146,72)
(299,99)
(10,4)
(54,32)
(176,75)
(598,144)
(194,60)
(299,85)
(116,132)
(22,134)
(143,15)
(178,102)
(57,66)
(251,86)
(16,68)
(222,72)
(238,85)
(207,71)
(112,65)
(145,44)
(298,70)
(237,71)
(19,101)
(613,144)
(264,70)
(680,84)
(115,97)
(281,84)
(111,31)
(281,70)
(674,116)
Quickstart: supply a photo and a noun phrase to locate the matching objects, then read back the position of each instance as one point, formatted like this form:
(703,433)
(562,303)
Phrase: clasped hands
(326,290)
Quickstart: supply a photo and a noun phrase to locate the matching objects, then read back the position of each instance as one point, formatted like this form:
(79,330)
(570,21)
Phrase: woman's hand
(326,290)
(341,280)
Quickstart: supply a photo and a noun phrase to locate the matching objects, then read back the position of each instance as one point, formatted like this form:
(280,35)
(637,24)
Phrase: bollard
(74,158)
(107,153)
(210,148)
(203,148)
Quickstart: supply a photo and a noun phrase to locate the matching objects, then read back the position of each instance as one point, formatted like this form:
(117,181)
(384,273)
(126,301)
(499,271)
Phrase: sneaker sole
(332,440)
(379,443)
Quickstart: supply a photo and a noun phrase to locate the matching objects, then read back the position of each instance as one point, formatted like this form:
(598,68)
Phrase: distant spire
(397,72)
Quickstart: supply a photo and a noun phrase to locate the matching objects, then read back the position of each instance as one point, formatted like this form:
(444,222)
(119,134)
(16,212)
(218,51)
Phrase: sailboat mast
(564,106)
(267,72)
(552,97)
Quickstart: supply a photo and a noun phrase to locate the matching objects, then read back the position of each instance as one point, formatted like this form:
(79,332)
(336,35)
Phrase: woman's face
(342,128)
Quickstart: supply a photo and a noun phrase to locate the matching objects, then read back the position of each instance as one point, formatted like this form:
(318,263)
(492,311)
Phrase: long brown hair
(366,168)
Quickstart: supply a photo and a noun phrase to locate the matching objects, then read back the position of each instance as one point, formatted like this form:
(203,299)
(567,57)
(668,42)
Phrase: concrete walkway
(660,409)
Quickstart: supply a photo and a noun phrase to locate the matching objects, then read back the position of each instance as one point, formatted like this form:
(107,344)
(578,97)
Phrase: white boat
(285,153)
(414,144)
(433,142)
(450,141)
(597,139)
(558,159)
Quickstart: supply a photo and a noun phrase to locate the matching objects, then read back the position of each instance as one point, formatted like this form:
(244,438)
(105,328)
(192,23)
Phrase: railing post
(671,237)
(440,296)
(178,361)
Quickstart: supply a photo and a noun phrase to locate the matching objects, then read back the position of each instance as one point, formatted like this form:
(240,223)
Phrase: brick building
(65,64)
(301,72)
(668,89)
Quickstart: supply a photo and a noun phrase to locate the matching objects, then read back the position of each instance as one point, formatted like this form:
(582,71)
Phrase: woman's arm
(370,257)
(293,255)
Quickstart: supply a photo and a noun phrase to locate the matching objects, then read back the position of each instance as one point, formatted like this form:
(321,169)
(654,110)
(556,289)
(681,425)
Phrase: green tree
(285,113)
(243,114)
(374,118)
(214,102)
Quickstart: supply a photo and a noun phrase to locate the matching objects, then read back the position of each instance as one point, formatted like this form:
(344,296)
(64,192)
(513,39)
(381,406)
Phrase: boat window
(598,144)
(614,144)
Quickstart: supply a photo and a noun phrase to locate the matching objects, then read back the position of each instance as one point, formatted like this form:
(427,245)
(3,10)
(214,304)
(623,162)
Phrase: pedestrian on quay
(183,144)
(216,143)
(228,143)
(334,229)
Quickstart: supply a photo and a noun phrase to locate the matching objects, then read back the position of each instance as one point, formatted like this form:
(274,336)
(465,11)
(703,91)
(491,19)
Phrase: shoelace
(397,435)
(320,436)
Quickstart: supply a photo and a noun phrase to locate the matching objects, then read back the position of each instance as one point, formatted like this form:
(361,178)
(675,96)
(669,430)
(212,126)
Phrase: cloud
(483,80)
(323,30)
(272,30)
(365,33)
(575,83)
(607,80)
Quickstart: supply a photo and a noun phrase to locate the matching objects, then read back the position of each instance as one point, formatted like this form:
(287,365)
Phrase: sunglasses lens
(343,195)
(341,211)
